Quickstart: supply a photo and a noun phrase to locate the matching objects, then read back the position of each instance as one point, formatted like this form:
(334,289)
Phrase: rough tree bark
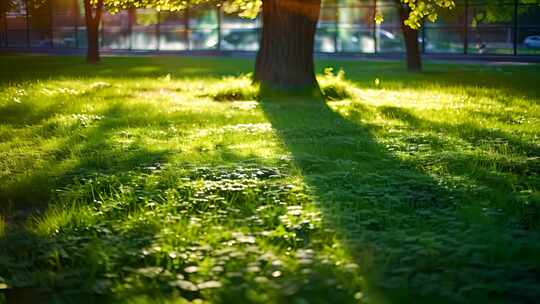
(412,47)
(93,18)
(285,57)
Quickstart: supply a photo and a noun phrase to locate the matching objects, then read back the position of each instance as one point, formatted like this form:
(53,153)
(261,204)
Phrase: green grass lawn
(165,180)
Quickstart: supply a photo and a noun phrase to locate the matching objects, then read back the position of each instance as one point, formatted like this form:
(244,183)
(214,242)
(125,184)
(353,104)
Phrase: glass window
(529,15)
(3,38)
(65,13)
(40,24)
(232,21)
(16,25)
(64,38)
(358,2)
(203,39)
(328,3)
(17,38)
(490,15)
(172,31)
(356,16)
(203,19)
(144,30)
(64,19)
(244,39)
(173,18)
(40,38)
(446,17)
(389,40)
(82,38)
(444,40)
(325,40)
(173,39)
(327,17)
(203,24)
(115,30)
(390,14)
(490,40)
(239,33)
(356,40)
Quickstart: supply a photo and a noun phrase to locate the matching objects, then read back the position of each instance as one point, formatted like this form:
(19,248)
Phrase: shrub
(334,86)
(234,88)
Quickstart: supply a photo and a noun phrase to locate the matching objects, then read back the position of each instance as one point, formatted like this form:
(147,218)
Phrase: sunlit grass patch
(178,182)
(334,86)
(233,89)
(61,218)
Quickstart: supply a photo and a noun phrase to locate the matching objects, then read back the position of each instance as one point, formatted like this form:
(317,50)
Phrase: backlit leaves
(425,9)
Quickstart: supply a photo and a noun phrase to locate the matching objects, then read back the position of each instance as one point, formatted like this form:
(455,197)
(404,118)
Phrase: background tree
(7,5)
(93,10)
(40,19)
(410,38)
(285,56)
(492,11)
(501,12)
(412,14)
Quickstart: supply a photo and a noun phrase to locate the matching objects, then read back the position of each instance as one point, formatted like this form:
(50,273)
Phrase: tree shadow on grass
(86,256)
(108,219)
(495,168)
(24,253)
(405,228)
(401,225)
(472,133)
(86,149)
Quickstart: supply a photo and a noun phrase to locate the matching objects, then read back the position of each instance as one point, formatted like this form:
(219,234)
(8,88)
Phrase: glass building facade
(475,27)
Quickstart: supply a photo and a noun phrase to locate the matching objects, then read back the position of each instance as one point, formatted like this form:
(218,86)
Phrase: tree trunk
(412,47)
(285,57)
(92,30)
(92,52)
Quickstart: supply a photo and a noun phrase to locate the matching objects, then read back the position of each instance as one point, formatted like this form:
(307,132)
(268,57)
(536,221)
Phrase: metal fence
(474,27)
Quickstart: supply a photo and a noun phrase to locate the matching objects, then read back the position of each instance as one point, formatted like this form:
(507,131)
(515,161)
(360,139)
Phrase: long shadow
(95,244)
(22,252)
(95,152)
(480,168)
(405,228)
(402,226)
(466,131)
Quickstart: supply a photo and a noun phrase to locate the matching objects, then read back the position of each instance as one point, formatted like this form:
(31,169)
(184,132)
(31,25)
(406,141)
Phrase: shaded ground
(135,184)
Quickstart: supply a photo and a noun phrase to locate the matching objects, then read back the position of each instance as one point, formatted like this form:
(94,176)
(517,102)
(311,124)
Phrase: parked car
(240,39)
(532,42)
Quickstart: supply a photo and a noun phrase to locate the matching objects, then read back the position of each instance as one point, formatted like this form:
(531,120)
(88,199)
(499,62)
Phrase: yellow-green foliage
(335,86)
(233,88)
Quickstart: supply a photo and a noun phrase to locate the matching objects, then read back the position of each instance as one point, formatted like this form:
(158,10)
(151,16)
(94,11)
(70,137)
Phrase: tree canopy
(494,11)
(419,9)
(7,5)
